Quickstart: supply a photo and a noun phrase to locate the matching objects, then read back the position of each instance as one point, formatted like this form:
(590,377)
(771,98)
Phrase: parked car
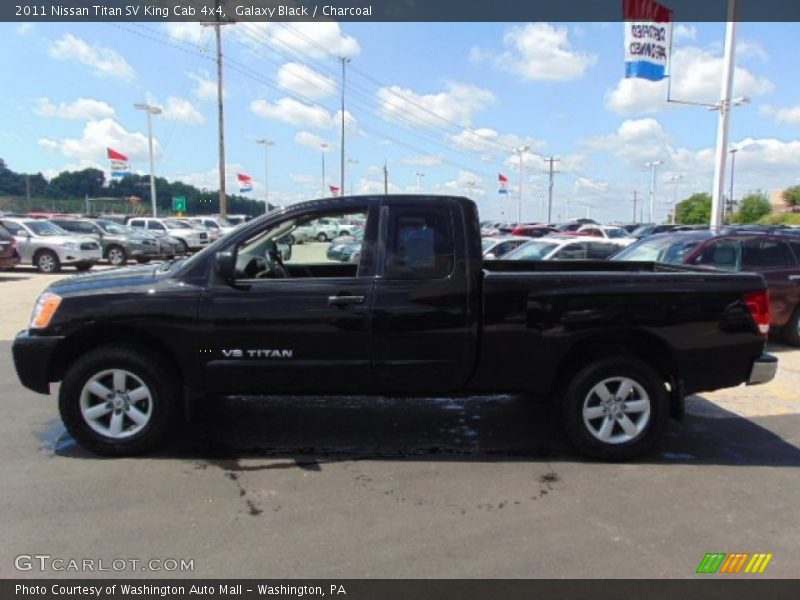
(604,231)
(154,248)
(343,247)
(574,225)
(9,257)
(216,226)
(421,314)
(190,238)
(321,230)
(533,231)
(499,247)
(651,229)
(48,247)
(237,220)
(117,245)
(566,247)
(773,254)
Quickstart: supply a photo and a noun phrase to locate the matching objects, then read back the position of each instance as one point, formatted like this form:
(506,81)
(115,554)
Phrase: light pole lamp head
(153,110)
(265,142)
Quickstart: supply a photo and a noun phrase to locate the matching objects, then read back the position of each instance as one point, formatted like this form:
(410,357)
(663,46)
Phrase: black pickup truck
(617,344)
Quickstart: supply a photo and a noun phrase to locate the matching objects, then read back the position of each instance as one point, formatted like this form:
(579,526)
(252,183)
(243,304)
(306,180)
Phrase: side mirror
(225,265)
(489,256)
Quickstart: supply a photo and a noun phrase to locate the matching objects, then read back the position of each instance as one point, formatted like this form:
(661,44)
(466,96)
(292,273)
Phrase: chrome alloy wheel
(616,410)
(116,403)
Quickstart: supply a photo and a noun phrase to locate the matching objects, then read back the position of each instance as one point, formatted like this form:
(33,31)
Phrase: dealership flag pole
(718,198)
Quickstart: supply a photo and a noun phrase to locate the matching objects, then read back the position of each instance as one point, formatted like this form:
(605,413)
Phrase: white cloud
(289,110)
(749,48)
(190,32)
(24,28)
(180,109)
(684,32)
(697,77)
(99,135)
(423,160)
(83,108)
(103,61)
(304,81)
(458,104)
(305,138)
(586,184)
(205,87)
(466,182)
(635,141)
(375,186)
(538,52)
(782,116)
(490,141)
(309,39)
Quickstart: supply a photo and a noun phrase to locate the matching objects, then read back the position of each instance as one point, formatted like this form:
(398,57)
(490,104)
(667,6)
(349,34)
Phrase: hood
(104,280)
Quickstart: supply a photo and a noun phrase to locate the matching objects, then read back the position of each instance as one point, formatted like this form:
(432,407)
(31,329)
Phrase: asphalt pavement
(390,487)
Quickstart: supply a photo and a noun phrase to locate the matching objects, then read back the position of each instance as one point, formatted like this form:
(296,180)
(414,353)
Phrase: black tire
(116,256)
(83,267)
(164,393)
(344,233)
(322,237)
(578,391)
(791,331)
(142,260)
(46,261)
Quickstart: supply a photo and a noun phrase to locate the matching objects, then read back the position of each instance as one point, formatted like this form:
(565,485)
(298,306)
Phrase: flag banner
(503,182)
(334,189)
(114,155)
(245,183)
(118,164)
(648,34)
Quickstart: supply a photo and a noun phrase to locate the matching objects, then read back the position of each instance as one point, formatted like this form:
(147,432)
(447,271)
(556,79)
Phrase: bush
(753,207)
(695,210)
(781,219)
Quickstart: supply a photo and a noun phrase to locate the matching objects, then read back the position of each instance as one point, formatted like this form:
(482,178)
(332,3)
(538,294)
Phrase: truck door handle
(344,300)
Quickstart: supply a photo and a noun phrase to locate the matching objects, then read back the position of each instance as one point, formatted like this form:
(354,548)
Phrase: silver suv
(48,247)
(118,246)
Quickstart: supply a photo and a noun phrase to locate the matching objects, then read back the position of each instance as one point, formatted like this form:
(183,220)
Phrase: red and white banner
(334,190)
(245,183)
(648,35)
(118,163)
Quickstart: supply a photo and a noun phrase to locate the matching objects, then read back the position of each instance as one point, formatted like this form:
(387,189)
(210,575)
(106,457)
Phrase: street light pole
(652,165)
(470,187)
(674,180)
(733,167)
(344,60)
(150,110)
(520,151)
(267,143)
(419,175)
(324,147)
(350,161)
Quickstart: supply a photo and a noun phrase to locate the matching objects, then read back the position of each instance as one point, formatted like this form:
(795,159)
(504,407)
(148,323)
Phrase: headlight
(71,246)
(44,310)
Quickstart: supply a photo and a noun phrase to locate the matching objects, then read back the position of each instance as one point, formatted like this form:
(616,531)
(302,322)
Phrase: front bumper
(32,359)
(764,369)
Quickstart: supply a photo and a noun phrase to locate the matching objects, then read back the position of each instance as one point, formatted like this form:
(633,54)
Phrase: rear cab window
(420,243)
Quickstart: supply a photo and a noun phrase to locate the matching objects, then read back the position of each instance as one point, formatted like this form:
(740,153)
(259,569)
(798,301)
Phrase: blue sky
(448,100)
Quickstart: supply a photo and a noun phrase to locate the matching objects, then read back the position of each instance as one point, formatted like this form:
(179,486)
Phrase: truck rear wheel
(615,408)
(118,401)
(791,331)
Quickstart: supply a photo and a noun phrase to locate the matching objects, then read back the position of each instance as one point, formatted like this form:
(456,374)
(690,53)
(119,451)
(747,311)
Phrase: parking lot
(471,487)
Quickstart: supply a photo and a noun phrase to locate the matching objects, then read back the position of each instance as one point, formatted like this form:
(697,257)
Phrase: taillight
(758,305)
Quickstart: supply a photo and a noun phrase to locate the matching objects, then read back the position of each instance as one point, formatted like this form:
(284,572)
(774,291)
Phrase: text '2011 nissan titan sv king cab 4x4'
(618,345)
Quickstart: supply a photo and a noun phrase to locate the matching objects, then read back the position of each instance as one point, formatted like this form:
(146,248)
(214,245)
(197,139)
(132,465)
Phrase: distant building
(779,205)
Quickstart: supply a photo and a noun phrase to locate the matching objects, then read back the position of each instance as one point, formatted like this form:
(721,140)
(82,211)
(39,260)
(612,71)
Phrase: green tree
(792,195)
(695,210)
(77,184)
(752,208)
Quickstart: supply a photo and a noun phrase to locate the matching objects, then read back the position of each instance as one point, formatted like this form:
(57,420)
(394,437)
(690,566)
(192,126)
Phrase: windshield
(45,228)
(111,227)
(668,249)
(535,250)
(486,244)
(177,225)
(642,230)
(617,233)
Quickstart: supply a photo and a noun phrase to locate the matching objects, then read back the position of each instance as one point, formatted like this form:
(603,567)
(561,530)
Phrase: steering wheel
(274,263)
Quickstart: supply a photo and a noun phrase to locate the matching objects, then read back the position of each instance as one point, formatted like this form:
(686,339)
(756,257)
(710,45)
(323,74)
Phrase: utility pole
(520,151)
(350,161)
(419,176)
(344,60)
(324,147)
(652,166)
(674,179)
(551,161)
(267,143)
(27,193)
(635,193)
(150,110)
(470,187)
(217,25)
(385,178)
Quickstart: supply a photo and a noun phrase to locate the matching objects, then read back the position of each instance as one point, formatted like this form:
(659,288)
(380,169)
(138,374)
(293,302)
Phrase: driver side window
(319,245)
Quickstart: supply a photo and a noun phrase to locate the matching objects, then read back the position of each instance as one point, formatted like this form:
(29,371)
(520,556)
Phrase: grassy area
(781,219)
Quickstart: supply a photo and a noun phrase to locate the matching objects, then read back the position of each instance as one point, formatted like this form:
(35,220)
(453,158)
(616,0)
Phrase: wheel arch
(643,345)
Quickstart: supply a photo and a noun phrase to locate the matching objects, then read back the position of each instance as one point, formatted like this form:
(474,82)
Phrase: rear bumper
(32,359)
(764,369)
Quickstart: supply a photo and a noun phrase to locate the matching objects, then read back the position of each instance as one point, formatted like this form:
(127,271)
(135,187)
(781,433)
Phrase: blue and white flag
(648,35)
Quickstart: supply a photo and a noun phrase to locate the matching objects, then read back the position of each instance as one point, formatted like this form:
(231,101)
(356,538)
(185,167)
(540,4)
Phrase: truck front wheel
(118,401)
(615,408)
